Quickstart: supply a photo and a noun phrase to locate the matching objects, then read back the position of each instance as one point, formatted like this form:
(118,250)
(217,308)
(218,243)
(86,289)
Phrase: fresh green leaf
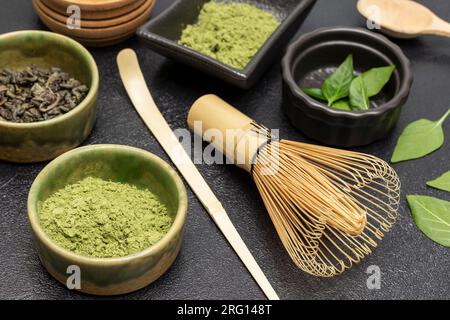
(342,105)
(419,139)
(375,79)
(432,217)
(337,86)
(442,183)
(315,93)
(359,98)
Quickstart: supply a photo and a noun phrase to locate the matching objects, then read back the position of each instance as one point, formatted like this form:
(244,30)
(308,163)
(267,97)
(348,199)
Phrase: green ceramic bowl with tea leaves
(118,164)
(44,140)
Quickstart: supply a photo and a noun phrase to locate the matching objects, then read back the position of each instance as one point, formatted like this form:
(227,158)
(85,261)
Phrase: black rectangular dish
(163,33)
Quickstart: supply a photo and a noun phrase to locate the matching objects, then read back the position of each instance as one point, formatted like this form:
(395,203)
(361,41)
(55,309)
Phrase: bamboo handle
(229,130)
(142,100)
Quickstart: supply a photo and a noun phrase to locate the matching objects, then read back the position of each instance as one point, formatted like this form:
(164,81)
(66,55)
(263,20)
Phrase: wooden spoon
(403,18)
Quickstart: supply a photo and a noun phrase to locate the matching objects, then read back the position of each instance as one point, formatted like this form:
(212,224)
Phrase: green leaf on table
(315,93)
(432,217)
(442,183)
(342,105)
(419,138)
(375,79)
(359,99)
(337,86)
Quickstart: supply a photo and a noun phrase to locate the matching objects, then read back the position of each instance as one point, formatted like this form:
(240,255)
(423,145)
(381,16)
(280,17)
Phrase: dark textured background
(412,266)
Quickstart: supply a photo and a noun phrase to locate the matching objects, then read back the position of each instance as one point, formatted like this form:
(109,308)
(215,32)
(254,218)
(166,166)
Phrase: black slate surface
(412,266)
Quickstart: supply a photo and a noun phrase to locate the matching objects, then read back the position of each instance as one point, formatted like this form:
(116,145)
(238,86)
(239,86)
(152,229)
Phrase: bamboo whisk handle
(229,130)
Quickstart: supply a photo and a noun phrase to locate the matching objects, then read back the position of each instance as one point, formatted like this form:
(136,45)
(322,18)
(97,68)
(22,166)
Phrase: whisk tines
(329,206)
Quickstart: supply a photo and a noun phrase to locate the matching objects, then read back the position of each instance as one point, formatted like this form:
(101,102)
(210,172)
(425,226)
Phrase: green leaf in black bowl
(375,79)
(342,105)
(359,99)
(315,93)
(337,86)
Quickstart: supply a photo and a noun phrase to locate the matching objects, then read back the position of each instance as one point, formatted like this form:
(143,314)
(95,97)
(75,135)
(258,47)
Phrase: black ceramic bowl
(314,56)
(163,33)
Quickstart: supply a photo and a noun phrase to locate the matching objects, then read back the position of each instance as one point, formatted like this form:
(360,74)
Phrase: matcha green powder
(104,219)
(230,32)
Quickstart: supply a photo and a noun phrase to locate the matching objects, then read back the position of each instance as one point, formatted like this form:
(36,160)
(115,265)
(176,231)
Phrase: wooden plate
(105,41)
(92,5)
(43,9)
(99,13)
(94,33)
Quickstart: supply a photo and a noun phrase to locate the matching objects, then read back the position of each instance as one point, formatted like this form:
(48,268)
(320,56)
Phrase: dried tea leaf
(36,94)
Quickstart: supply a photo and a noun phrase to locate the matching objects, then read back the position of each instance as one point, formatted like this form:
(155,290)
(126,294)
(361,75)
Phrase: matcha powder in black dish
(231,33)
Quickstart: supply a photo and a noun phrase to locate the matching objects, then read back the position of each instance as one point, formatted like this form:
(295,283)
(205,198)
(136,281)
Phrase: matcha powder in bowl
(231,33)
(104,219)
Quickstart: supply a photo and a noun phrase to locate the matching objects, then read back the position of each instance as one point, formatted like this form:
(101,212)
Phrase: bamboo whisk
(330,207)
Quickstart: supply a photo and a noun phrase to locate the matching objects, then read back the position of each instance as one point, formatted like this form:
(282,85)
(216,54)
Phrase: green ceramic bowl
(46,140)
(110,276)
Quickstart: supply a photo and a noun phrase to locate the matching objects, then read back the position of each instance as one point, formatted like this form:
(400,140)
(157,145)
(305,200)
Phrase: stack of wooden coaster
(94,22)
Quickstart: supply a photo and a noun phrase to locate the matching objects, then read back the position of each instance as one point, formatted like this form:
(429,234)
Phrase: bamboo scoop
(139,93)
(403,18)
